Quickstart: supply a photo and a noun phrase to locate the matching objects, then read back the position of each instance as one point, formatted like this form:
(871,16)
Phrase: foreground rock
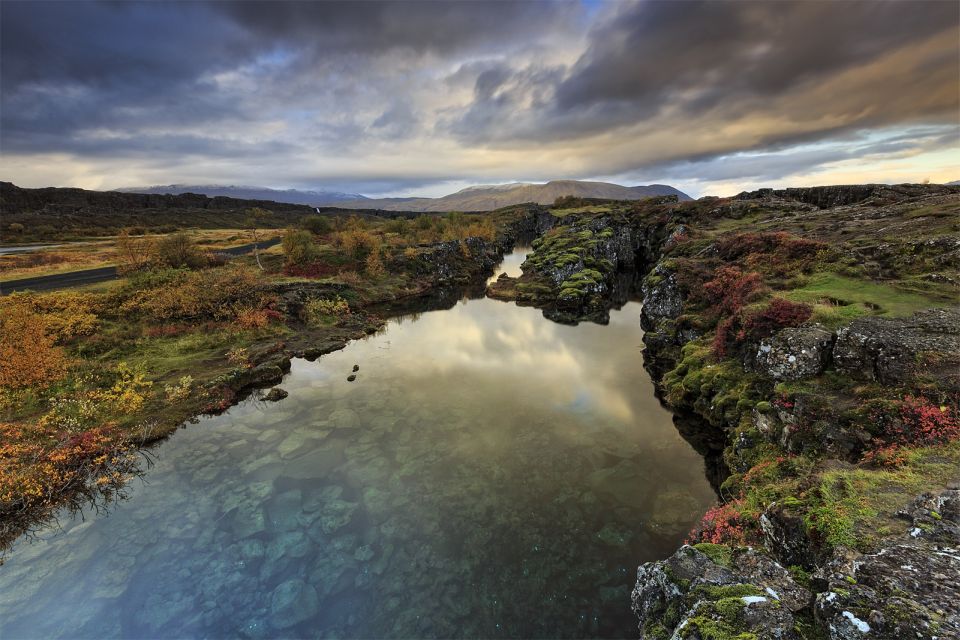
(906,589)
(712,591)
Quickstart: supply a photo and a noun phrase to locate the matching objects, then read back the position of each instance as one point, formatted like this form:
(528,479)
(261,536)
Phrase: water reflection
(489,474)
(511,263)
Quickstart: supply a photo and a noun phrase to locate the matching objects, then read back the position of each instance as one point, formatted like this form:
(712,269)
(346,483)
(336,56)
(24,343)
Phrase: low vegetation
(87,378)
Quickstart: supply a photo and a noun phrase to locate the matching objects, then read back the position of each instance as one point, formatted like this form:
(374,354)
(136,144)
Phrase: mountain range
(479,198)
(290,196)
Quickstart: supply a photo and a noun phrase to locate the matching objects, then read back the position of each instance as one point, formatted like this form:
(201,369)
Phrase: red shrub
(166,330)
(731,288)
(720,525)
(886,456)
(781,244)
(779,314)
(923,421)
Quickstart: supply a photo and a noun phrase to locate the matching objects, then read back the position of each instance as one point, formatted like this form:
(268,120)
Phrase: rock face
(793,354)
(908,588)
(897,350)
(712,591)
(661,295)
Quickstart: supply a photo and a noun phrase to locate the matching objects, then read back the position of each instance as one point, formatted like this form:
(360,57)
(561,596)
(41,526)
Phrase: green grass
(831,293)
(560,213)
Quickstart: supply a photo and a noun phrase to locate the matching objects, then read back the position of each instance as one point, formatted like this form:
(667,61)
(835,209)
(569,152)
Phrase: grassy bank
(87,377)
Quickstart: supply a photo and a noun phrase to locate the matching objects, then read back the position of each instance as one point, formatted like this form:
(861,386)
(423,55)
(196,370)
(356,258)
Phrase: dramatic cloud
(405,96)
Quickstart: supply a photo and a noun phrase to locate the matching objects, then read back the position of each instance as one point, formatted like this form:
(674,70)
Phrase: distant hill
(952,184)
(291,196)
(489,197)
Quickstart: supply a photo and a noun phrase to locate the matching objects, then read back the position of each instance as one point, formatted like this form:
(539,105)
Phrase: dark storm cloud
(694,59)
(73,66)
(423,26)
(403,94)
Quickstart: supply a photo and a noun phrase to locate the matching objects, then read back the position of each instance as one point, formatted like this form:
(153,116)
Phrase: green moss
(719,553)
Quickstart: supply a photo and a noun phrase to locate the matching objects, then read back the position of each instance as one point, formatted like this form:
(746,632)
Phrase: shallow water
(488,474)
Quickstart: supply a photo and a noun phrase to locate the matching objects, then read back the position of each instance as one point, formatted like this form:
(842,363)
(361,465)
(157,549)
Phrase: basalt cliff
(811,337)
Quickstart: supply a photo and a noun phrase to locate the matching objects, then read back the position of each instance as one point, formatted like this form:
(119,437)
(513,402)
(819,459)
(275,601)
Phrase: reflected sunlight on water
(489,474)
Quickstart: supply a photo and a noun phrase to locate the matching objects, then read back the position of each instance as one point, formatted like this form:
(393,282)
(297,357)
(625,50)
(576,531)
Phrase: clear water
(489,474)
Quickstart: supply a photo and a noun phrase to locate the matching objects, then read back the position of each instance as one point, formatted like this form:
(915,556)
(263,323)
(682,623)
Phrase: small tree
(256,219)
(133,253)
(178,250)
(298,247)
(317,225)
(374,265)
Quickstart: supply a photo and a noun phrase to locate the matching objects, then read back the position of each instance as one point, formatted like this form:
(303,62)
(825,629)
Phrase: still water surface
(489,474)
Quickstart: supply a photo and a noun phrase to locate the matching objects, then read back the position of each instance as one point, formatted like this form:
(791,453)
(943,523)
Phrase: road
(101,274)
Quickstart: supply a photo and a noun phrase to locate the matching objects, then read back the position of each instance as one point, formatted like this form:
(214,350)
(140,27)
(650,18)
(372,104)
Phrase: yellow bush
(67,314)
(374,265)
(28,357)
(212,293)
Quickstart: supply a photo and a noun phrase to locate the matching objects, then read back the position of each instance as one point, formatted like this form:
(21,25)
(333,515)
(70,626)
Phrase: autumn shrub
(179,391)
(28,355)
(298,247)
(254,318)
(239,357)
(167,330)
(317,225)
(731,288)
(322,311)
(776,252)
(40,465)
(374,265)
(212,294)
(315,269)
(779,314)
(178,250)
(923,421)
(721,524)
(358,242)
(67,314)
(886,456)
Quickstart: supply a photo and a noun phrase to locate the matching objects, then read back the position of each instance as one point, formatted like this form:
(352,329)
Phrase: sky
(424,98)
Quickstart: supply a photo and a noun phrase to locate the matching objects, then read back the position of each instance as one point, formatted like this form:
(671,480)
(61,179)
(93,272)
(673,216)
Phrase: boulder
(291,603)
(275,394)
(715,591)
(794,354)
(899,350)
(908,588)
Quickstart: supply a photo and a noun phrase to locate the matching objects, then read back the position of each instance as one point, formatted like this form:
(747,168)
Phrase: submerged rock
(275,394)
(291,603)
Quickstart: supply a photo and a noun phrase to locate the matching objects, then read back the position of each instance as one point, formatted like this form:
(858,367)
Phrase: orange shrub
(67,314)
(28,357)
(212,293)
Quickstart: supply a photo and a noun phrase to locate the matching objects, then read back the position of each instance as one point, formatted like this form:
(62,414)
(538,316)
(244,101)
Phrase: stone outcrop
(711,591)
(897,350)
(794,354)
(907,588)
